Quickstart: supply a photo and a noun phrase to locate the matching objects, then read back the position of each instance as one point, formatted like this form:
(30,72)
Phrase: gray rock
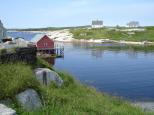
(45,76)
(29,100)
(146,106)
(6,111)
(6,102)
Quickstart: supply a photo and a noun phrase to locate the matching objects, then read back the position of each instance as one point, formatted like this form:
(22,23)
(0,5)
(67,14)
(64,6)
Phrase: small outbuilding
(46,45)
(43,42)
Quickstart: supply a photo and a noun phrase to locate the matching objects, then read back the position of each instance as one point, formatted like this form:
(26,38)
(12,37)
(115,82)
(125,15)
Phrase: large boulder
(29,100)
(146,106)
(6,102)
(6,111)
(45,76)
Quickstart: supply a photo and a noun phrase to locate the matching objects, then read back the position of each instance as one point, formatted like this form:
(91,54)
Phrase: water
(128,74)
(27,35)
(125,73)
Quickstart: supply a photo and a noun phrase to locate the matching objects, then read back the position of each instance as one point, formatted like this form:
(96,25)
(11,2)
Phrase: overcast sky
(49,13)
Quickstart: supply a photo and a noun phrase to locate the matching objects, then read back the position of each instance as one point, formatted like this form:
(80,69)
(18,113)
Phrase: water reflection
(83,44)
(97,53)
(132,54)
(97,49)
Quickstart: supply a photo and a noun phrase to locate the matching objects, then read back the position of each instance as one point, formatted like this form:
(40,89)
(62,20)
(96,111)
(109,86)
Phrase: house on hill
(2,32)
(97,24)
(133,24)
(43,42)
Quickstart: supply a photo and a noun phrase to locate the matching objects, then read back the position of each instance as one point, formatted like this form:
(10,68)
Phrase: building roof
(2,31)
(133,23)
(97,22)
(37,37)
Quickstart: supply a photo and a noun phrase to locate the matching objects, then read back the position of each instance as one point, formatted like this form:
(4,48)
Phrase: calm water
(26,35)
(127,73)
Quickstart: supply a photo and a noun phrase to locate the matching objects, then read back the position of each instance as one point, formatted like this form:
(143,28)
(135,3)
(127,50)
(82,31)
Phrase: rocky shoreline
(66,36)
(30,99)
(146,106)
(114,41)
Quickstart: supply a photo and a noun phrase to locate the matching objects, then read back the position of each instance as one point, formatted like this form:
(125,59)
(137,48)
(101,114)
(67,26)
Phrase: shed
(43,42)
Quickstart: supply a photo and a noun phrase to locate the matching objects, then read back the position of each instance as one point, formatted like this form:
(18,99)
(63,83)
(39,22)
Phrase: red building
(45,43)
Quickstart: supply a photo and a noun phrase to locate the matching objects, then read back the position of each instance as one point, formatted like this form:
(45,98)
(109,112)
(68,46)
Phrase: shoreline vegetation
(118,34)
(122,35)
(73,98)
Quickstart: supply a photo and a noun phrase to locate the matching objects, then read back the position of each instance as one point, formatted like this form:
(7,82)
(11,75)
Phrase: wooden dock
(57,52)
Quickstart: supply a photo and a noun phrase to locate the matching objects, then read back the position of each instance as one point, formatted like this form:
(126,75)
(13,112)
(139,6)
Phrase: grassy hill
(115,34)
(73,98)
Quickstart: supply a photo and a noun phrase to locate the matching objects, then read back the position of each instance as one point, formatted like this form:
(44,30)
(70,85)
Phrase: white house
(2,32)
(133,24)
(97,24)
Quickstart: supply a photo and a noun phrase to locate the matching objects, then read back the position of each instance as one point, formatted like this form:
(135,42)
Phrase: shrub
(3,51)
(40,63)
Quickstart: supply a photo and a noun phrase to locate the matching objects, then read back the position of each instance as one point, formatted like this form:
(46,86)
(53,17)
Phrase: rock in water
(29,100)
(6,111)
(45,76)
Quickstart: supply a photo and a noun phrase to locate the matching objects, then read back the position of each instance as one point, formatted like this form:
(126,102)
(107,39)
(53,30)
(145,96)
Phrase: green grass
(15,78)
(105,33)
(73,98)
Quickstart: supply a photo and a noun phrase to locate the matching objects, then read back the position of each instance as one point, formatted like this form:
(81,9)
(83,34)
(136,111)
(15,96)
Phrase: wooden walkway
(58,52)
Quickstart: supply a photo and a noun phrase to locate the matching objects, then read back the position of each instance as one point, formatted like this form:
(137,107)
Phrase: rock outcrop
(29,100)
(6,111)
(146,106)
(45,76)
(6,102)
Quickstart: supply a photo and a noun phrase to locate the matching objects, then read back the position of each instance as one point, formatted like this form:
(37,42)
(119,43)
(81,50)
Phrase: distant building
(97,24)
(2,32)
(133,24)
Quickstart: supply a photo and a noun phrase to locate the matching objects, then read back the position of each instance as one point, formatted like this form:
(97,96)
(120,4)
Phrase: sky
(60,13)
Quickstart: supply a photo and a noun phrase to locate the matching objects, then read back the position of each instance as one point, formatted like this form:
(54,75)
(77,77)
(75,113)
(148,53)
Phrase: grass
(113,34)
(73,98)
(15,78)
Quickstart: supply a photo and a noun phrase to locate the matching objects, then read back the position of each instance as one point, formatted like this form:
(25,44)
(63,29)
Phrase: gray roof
(97,22)
(133,23)
(37,37)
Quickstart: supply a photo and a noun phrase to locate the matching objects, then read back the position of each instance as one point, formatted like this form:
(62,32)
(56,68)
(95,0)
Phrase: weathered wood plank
(27,55)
